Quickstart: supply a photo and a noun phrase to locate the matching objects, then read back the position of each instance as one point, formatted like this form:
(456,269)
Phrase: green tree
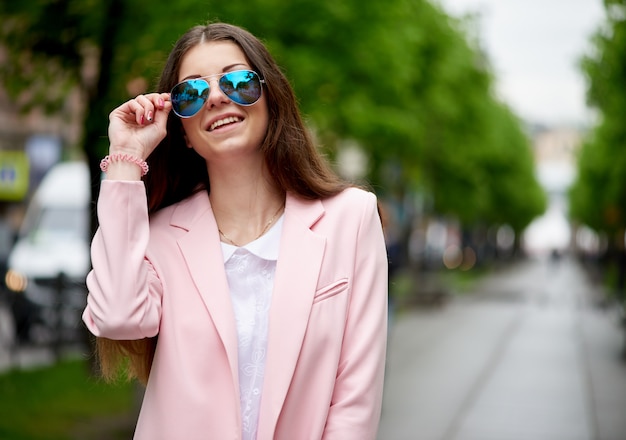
(598,197)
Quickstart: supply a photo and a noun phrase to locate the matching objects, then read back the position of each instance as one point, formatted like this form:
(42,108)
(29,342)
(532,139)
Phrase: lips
(224,121)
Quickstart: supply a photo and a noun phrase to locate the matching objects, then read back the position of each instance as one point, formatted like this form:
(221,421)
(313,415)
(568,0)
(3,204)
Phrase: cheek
(187,128)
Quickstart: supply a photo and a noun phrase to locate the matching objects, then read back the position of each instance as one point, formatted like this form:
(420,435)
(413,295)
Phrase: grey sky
(534,47)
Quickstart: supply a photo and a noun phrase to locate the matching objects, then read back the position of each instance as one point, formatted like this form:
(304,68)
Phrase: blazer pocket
(331,290)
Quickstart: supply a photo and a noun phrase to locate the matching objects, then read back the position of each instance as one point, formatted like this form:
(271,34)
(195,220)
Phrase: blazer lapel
(202,252)
(297,271)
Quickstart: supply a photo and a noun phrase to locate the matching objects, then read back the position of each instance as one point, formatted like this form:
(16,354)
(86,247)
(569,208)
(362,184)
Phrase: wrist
(135,152)
(124,160)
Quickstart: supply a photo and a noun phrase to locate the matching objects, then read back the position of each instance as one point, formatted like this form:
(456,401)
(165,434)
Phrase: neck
(244,237)
(245,202)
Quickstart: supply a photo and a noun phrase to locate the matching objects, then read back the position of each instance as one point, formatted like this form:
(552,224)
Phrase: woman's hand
(137,126)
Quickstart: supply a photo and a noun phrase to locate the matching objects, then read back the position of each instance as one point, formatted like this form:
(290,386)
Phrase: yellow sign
(14,175)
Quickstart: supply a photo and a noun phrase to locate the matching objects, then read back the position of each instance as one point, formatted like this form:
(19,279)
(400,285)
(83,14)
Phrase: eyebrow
(224,70)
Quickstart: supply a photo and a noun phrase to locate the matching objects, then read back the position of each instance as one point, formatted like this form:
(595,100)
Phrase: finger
(144,112)
(131,110)
(126,112)
(152,103)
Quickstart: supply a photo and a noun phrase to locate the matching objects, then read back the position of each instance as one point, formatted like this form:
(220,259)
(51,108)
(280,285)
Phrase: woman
(246,283)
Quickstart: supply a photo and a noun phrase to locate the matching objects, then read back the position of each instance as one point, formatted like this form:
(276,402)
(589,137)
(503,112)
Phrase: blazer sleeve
(357,396)
(124,293)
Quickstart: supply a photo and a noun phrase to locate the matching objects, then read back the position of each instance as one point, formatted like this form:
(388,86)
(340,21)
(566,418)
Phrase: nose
(216,96)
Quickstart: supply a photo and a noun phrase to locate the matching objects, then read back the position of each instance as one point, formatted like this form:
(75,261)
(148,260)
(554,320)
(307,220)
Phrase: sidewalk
(526,356)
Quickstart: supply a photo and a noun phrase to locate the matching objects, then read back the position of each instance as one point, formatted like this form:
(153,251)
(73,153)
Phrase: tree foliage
(397,77)
(598,197)
(46,43)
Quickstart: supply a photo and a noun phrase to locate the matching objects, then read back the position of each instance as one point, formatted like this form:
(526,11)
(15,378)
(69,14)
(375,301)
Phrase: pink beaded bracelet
(104,163)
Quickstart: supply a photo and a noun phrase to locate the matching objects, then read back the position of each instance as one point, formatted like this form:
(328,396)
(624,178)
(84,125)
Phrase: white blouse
(250,271)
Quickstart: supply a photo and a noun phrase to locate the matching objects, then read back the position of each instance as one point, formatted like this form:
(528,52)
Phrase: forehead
(212,57)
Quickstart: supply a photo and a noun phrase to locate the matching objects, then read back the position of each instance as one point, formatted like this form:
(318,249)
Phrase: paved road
(528,355)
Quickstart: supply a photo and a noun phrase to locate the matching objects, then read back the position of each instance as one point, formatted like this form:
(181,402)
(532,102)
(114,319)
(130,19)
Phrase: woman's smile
(224,122)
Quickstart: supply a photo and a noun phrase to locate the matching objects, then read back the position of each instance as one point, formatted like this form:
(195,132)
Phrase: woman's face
(222,129)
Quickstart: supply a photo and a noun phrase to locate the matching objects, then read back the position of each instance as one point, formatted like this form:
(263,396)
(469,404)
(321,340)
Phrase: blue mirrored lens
(243,87)
(188,97)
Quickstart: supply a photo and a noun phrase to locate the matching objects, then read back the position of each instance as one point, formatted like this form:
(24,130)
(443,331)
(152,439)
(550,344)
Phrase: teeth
(221,122)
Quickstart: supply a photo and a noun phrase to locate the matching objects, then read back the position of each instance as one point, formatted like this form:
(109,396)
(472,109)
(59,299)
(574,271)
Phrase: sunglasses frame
(219,76)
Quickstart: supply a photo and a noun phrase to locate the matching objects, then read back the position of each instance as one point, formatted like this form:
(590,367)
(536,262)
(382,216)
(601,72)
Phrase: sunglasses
(243,87)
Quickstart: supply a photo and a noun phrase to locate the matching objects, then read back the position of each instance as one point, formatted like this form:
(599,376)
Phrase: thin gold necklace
(263,231)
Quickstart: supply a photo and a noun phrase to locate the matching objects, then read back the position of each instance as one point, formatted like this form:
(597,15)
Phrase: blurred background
(491,131)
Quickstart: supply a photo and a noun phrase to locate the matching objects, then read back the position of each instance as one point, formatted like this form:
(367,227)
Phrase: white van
(54,239)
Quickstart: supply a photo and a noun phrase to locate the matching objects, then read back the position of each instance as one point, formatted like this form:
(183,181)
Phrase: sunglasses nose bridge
(215,90)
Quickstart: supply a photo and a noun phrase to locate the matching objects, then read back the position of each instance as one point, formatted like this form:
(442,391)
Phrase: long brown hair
(176,172)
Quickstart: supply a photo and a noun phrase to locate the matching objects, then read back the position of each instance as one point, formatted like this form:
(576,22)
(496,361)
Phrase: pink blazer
(327,327)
